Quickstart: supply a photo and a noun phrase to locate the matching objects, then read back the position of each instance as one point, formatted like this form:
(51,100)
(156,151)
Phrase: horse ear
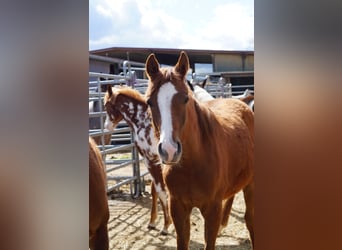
(152,65)
(182,65)
(109,90)
(190,85)
(203,83)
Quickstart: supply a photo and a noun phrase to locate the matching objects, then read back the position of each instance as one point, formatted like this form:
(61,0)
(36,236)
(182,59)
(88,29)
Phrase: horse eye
(105,106)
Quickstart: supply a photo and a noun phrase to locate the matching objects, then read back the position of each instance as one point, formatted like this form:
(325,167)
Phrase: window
(203,68)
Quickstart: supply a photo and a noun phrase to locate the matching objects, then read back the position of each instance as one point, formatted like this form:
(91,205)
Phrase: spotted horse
(127,104)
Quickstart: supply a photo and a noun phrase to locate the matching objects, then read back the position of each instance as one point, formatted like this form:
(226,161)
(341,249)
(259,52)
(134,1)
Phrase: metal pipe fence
(121,141)
(122,138)
(221,88)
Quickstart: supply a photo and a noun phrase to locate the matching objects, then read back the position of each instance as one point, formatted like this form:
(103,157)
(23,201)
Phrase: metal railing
(122,139)
(221,88)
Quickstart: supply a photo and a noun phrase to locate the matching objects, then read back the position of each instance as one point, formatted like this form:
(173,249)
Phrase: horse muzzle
(108,124)
(170,153)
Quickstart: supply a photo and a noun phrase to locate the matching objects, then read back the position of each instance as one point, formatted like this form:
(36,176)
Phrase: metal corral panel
(98,66)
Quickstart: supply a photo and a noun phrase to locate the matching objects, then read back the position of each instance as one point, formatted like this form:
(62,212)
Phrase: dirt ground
(129,219)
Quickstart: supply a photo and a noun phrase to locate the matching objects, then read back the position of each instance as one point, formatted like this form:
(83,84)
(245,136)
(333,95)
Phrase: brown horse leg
(181,219)
(212,216)
(248,193)
(107,139)
(154,208)
(100,240)
(91,243)
(167,218)
(227,206)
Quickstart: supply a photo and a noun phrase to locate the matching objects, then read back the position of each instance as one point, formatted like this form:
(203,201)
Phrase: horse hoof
(163,232)
(151,226)
(220,230)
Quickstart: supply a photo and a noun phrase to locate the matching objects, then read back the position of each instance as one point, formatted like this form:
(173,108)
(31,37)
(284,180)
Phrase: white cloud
(160,26)
(145,23)
(231,27)
(108,8)
(103,12)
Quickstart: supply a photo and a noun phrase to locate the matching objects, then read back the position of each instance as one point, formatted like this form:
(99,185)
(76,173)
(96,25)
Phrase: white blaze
(165,95)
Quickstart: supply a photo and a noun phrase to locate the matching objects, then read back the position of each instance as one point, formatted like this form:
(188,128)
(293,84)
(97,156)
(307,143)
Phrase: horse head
(113,116)
(167,96)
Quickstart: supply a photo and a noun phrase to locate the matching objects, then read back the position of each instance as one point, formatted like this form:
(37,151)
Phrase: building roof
(164,55)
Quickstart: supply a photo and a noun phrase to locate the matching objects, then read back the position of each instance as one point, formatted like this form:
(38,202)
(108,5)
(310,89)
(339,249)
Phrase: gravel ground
(129,219)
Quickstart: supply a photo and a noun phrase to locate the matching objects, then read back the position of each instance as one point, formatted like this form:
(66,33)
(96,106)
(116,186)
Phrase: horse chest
(188,185)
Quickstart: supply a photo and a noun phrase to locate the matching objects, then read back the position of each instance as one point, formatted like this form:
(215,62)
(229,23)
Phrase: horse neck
(198,123)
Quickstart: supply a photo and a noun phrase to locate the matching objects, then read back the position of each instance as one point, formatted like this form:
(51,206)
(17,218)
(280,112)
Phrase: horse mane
(129,92)
(202,115)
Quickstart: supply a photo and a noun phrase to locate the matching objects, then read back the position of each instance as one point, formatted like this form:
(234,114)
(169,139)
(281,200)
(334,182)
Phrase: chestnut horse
(128,104)
(98,204)
(207,149)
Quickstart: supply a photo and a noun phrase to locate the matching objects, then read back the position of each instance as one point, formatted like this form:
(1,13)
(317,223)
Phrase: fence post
(220,85)
(229,92)
(101,127)
(125,67)
(136,170)
(194,77)
(132,78)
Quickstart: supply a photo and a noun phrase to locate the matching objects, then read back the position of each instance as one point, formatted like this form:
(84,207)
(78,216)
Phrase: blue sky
(183,24)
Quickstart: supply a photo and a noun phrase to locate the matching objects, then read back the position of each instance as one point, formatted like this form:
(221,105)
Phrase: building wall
(227,63)
(98,67)
(249,63)
(234,62)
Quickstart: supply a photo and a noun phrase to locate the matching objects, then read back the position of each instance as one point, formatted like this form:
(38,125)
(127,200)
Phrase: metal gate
(122,139)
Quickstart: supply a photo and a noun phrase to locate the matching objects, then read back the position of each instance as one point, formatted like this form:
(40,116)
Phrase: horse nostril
(162,152)
(179,147)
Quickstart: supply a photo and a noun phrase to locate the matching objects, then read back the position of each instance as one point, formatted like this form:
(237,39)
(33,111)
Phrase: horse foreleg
(100,239)
(181,219)
(154,208)
(248,193)
(167,219)
(227,206)
(212,214)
